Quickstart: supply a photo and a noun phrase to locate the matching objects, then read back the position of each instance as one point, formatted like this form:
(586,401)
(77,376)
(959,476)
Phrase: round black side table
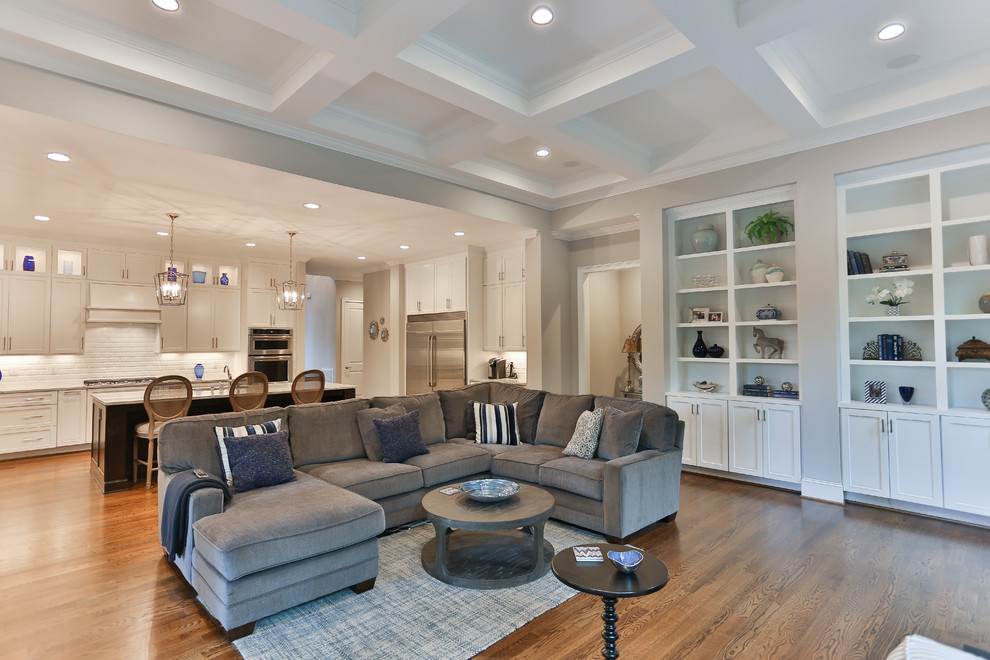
(603,579)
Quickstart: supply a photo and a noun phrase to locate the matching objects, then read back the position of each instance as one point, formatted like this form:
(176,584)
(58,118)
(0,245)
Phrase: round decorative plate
(373,330)
(384,334)
(489,490)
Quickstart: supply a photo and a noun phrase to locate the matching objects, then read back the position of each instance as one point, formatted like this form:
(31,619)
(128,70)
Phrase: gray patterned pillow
(584,442)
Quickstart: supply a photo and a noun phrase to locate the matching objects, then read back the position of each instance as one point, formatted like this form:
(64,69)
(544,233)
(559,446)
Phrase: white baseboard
(826,491)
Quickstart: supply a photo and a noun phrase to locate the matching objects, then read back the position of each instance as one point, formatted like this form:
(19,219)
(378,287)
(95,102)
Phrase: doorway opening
(608,314)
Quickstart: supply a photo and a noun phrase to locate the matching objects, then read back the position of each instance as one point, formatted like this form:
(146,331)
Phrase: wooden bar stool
(249,391)
(308,386)
(165,398)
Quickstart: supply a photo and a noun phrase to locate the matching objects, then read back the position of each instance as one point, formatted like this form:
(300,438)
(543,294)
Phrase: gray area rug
(410,615)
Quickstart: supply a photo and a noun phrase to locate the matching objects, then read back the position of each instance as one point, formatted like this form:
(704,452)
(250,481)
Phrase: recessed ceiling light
(403,247)
(543,153)
(541,15)
(458,233)
(42,218)
(162,233)
(167,5)
(362,258)
(58,158)
(250,244)
(891,31)
(311,205)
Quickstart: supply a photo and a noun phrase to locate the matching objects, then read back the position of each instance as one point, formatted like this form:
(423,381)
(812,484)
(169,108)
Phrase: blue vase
(767,313)
(224,280)
(699,350)
(29,264)
(907,394)
(198,370)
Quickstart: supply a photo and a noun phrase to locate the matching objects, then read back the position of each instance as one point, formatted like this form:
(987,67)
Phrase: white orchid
(902,288)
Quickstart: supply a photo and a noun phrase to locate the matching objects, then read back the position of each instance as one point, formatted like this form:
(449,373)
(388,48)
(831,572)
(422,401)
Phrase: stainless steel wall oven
(270,352)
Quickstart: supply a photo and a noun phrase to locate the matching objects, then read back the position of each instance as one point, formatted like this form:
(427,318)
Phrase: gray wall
(321,324)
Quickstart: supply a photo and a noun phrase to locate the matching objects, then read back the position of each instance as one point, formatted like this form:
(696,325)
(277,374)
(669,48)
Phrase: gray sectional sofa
(272,548)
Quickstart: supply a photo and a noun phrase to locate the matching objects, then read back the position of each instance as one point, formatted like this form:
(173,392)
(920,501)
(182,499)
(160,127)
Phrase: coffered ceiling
(624,93)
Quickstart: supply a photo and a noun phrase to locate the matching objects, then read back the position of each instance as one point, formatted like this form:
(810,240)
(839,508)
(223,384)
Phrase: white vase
(978,250)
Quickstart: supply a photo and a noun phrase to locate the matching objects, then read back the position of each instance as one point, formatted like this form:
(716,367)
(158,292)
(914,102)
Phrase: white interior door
(351,343)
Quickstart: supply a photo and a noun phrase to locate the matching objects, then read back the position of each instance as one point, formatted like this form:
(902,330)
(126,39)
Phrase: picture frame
(714,317)
(699,315)
(875,391)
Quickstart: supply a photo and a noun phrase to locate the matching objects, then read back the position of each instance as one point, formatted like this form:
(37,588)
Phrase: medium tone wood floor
(755,573)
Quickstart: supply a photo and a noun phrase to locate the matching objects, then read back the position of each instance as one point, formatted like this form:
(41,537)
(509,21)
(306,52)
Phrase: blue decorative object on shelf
(199,277)
(704,239)
(767,313)
(699,350)
(1,375)
(907,394)
(715,351)
(28,264)
(198,370)
(224,280)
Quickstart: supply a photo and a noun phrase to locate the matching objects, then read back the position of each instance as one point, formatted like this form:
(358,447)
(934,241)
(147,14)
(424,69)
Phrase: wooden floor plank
(755,573)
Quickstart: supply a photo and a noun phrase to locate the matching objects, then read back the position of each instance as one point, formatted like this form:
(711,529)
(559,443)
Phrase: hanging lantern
(171,285)
(291,295)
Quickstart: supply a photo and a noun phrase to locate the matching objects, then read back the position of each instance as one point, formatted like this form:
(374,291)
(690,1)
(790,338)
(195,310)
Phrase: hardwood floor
(755,573)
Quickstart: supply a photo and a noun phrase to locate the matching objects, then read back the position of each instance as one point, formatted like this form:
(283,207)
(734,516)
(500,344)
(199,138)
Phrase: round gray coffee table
(488,545)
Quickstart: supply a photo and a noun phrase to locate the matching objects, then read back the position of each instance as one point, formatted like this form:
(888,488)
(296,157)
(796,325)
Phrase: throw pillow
(584,441)
(369,434)
(400,437)
(259,460)
(237,432)
(620,433)
(495,423)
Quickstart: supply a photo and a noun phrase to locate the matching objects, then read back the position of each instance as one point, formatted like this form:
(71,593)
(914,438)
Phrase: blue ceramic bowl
(489,490)
(626,562)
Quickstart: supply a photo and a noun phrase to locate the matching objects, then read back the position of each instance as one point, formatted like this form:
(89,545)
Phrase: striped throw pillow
(496,423)
(239,432)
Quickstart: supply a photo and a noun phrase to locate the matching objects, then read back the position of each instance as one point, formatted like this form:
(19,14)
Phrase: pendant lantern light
(171,285)
(291,295)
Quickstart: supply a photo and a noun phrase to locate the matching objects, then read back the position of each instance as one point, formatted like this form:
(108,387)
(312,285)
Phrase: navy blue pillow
(260,460)
(400,437)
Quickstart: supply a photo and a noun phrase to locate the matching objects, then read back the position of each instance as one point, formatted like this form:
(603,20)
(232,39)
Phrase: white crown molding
(581,234)
(604,268)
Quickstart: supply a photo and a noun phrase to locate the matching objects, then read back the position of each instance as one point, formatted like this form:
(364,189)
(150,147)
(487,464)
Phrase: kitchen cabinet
(892,455)
(27,421)
(25,314)
(120,266)
(70,427)
(419,288)
(69,262)
(13,256)
(213,273)
(265,275)
(68,315)
(965,457)
(706,438)
(765,440)
(505,266)
(437,286)
(213,321)
(263,310)
(505,310)
(173,328)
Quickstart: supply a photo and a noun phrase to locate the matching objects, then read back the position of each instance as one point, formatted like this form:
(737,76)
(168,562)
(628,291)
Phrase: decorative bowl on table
(489,490)
(627,561)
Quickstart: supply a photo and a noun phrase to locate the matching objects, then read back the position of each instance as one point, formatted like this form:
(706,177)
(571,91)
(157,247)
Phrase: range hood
(122,303)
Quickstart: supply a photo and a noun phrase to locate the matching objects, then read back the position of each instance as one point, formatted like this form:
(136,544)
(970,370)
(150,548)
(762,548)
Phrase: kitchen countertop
(201,390)
(514,381)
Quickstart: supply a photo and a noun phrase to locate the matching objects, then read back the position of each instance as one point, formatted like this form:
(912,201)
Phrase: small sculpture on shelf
(973,349)
(763,342)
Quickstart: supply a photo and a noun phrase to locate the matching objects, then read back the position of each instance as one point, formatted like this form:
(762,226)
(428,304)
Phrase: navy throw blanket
(175,507)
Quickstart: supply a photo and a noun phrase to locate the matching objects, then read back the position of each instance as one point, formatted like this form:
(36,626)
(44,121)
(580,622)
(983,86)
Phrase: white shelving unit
(925,208)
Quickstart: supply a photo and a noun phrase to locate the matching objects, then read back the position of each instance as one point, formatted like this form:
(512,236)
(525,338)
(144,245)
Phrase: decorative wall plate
(384,334)
(373,330)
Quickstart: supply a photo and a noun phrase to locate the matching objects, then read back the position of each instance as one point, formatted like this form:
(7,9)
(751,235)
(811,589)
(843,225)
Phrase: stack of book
(757,390)
(785,394)
(857,263)
(891,347)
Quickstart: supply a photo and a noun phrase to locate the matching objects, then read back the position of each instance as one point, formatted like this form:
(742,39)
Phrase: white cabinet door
(283,318)
(713,436)
(782,438)
(71,425)
(68,315)
(865,452)
(512,265)
(458,284)
(260,308)
(746,438)
(965,457)
(493,318)
(227,319)
(493,269)
(199,320)
(514,316)
(915,458)
(684,407)
(260,275)
(141,268)
(106,265)
(419,288)
(441,286)
(28,315)
(173,328)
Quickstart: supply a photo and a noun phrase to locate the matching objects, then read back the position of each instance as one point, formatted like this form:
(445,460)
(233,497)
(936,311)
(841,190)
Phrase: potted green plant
(769,227)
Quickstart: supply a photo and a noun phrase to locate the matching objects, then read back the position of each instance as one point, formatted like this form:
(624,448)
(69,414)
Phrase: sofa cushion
(369,432)
(527,412)
(269,527)
(575,475)
(324,432)
(431,422)
(456,406)
(400,437)
(491,450)
(222,432)
(495,423)
(188,443)
(659,422)
(524,462)
(559,416)
(448,461)
(258,460)
(372,479)
(584,441)
(620,433)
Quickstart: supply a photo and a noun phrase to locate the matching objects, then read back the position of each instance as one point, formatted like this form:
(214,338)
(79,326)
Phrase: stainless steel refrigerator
(435,352)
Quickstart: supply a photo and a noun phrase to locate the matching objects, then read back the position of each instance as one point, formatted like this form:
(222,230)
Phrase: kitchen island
(117,412)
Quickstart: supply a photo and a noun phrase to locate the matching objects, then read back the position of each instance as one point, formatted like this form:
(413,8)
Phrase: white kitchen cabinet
(505,266)
(505,317)
(419,288)
(213,274)
(27,421)
(26,314)
(173,328)
(965,457)
(213,321)
(892,454)
(69,262)
(765,440)
(71,424)
(265,275)
(706,438)
(121,266)
(450,284)
(68,315)
(263,310)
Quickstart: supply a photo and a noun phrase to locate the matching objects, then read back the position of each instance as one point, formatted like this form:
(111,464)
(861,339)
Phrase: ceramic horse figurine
(763,342)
